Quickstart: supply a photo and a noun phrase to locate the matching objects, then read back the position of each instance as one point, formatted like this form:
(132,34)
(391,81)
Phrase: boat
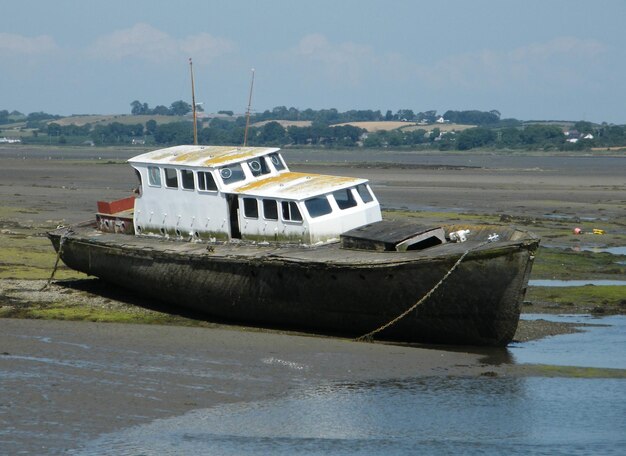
(233,233)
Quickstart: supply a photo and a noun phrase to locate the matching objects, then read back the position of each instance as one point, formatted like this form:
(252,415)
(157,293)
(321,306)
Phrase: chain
(370,335)
(64,235)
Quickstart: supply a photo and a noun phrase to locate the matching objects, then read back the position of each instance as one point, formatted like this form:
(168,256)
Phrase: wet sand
(75,380)
(88,378)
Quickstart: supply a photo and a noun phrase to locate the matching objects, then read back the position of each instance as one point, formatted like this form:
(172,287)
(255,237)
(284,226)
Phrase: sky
(530,60)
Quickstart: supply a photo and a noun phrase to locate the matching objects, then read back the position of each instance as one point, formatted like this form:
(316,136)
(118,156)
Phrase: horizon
(551,61)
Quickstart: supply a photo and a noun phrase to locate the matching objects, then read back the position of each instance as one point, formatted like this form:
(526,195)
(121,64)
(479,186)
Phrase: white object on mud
(459,236)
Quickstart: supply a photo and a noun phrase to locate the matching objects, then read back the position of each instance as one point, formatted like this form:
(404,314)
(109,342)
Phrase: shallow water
(601,343)
(612,250)
(427,415)
(574,283)
(434,415)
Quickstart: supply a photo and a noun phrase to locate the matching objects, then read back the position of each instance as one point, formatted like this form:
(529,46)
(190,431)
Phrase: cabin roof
(201,156)
(297,186)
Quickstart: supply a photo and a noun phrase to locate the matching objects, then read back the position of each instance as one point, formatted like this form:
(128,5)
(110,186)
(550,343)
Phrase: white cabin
(225,192)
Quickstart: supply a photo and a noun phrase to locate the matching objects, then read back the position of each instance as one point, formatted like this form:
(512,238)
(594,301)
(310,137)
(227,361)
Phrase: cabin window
(154,176)
(344,198)
(250,208)
(171,179)
(364,193)
(270,209)
(186,177)
(258,166)
(291,212)
(277,161)
(232,173)
(318,206)
(206,181)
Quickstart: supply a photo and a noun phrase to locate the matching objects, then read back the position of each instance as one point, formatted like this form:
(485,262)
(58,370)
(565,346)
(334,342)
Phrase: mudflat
(67,381)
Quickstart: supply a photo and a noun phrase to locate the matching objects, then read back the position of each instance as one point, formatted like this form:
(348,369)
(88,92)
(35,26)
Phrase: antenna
(245,134)
(193,105)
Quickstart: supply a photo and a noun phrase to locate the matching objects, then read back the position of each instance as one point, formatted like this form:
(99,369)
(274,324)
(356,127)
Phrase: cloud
(340,62)
(558,61)
(19,45)
(144,42)
(562,62)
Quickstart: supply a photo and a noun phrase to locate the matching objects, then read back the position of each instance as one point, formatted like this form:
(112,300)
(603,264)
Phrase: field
(406,126)
(285,123)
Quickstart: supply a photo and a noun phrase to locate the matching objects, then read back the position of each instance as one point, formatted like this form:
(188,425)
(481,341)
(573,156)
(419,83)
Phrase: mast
(193,106)
(245,134)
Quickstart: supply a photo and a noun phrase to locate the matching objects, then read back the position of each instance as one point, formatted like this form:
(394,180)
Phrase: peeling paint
(201,156)
(297,185)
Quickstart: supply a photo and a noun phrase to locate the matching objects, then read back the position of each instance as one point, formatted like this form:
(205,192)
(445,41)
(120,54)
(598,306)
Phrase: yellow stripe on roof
(292,185)
(201,156)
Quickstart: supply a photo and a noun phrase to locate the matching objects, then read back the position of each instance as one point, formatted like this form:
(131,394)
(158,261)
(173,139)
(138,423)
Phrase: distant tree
(388,115)
(160,110)
(139,108)
(151,126)
(174,133)
(509,137)
(34,116)
(228,113)
(299,135)
(272,133)
(584,127)
(54,129)
(428,116)
(405,114)
(179,108)
(472,117)
(475,137)
(543,136)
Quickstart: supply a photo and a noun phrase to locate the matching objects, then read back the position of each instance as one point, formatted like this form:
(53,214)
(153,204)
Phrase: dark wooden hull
(325,289)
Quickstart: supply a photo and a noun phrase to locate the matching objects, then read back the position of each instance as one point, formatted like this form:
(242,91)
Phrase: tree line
(325,130)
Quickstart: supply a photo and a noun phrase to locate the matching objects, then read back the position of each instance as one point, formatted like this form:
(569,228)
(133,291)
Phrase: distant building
(10,140)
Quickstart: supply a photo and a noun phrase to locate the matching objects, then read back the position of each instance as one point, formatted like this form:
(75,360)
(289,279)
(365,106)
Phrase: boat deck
(330,253)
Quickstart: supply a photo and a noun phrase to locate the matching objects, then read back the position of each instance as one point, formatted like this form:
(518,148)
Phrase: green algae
(554,263)
(26,256)
(585,299)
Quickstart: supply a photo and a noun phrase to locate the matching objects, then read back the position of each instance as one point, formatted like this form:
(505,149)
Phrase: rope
(64,235)
(369,337)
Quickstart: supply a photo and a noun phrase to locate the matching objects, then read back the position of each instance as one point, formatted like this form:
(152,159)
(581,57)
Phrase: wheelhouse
(215,192)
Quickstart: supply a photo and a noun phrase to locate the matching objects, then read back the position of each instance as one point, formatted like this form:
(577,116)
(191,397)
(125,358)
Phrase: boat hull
(323,289)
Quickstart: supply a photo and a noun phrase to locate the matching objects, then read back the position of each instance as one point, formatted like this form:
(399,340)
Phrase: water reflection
(430,415)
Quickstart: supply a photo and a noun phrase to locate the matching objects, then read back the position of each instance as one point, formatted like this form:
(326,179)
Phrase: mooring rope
(62,238)
(369,337)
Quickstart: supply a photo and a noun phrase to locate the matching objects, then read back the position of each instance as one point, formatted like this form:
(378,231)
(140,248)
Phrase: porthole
(226,173)
(255,165)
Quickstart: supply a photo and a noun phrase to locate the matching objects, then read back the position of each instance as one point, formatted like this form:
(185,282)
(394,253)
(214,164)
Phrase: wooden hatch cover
(392,235)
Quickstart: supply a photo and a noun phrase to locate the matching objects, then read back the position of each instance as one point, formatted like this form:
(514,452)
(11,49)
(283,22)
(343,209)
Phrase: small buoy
(578,230)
